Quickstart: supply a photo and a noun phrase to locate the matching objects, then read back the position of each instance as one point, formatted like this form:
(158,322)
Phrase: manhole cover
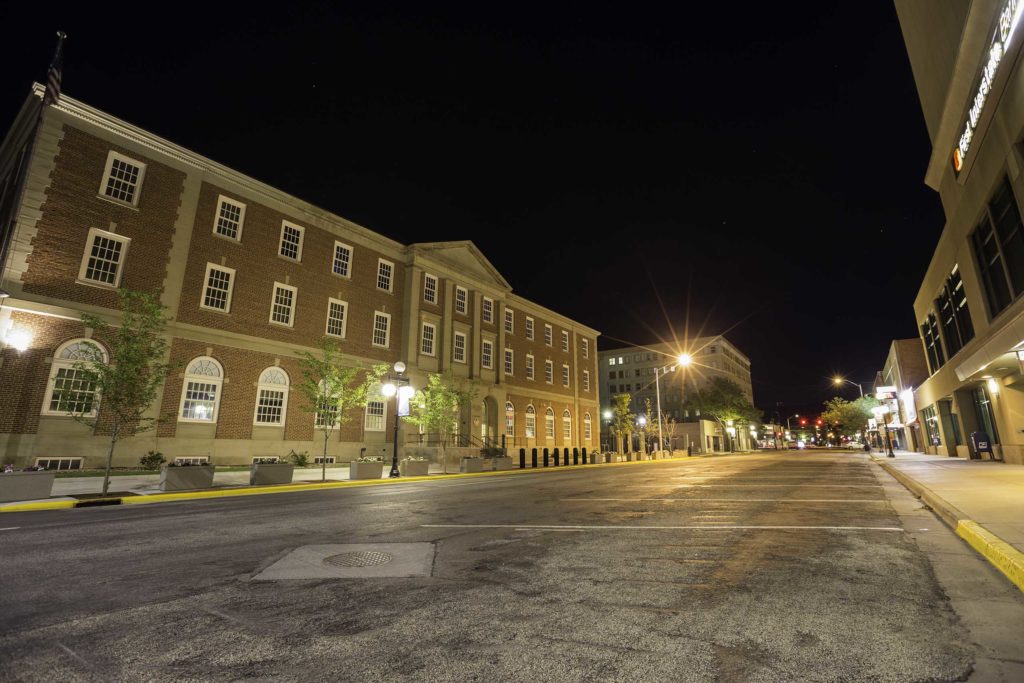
(361,559)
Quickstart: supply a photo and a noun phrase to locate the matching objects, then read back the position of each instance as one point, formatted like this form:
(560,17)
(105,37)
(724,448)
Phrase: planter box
(503,463)
(471,465)
(609,457)
(365,470)
(271,473)
(25,485)
(186,478)
(413,468)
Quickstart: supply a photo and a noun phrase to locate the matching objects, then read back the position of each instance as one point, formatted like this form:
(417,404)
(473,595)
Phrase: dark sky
(755,170)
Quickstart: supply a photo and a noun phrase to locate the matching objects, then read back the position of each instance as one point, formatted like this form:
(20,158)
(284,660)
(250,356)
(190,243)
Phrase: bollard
(535,459)
(545,457)
(576,457)
(522,457)
(565,458)
(557,463)
(585,461)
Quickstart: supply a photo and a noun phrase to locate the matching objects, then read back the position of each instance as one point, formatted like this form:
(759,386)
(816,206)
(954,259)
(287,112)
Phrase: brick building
(250,277)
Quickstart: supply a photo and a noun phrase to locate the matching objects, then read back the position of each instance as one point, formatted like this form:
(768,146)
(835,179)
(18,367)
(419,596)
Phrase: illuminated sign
(909,409)
(1009,17)
(885,393)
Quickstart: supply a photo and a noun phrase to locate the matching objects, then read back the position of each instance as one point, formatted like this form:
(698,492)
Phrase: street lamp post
(788,427)
(399,387)
(682,360)
(838,381)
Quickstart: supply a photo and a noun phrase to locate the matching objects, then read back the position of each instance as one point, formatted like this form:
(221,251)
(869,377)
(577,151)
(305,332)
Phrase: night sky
(756,171)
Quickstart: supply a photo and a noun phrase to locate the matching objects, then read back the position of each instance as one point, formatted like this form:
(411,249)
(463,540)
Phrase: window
(291,241)
(429,288)
(381,329)
(122,179)
(200,392)
(376,407)
(327,415)
(282,308)
(549,372)
(510,318)
(566,426)
(427,335)
(265,459)
(69,391)
(586,348)
(548,336)
(461,297)
(385,274)
(565,341)
(932,343)
(588,430)
(529,328)
(510,418)
(999,249)
(531,422)
(487,354)
(271,397)
(508,362)
(217,293)
(529,366)
(957,328)
(549,423)
(228,220)
(319,460)
(565,375)
(192,460)
(459,347)
(488,310)
(983,409)
(104,255)
(342,260)
(337,316)
(611,374)
(586,380)
(611,361)
(59,463)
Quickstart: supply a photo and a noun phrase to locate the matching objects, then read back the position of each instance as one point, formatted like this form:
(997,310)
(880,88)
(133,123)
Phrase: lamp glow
(389,389)
(684,359)
(406,392)
(19,338)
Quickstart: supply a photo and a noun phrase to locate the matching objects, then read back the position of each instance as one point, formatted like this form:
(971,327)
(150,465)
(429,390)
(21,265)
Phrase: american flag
(52,93)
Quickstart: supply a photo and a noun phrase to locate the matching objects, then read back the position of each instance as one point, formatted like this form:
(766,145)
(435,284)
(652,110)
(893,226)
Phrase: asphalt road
(795,566)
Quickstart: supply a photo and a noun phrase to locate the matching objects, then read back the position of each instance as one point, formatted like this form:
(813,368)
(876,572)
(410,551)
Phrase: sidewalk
(982,500)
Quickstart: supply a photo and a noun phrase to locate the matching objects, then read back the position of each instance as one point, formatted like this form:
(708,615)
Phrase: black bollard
(522,458)
(565,457)
(545,457)
(576,456)
(557,463)
(535,459)
(585,461)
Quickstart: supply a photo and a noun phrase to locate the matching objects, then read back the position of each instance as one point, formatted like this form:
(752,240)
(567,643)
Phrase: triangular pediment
(463,258)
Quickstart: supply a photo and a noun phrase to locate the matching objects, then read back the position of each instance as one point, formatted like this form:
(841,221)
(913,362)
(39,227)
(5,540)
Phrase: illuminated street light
(682,360)
(398,386)
(839,381)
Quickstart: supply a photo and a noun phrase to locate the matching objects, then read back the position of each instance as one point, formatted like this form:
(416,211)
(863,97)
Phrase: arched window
(549,423)
(566,426)
(271,397)
(510,418)
(376,410)
(200,392)
(531,422)
(587,428)
(68,391)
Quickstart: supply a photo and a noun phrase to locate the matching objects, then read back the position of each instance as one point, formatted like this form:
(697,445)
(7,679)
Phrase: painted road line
(599,527)
(760,486)
(728,500)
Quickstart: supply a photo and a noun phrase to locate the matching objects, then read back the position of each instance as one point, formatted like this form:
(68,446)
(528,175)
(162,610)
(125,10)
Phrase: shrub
(152,460)
(299,459)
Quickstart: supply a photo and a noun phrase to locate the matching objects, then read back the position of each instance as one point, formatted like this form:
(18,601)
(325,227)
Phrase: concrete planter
(609,457)
(503,463)
(629,457)
(186,478)
(25,485)
(471,465)
(365,470)
(271,473)
(413,468)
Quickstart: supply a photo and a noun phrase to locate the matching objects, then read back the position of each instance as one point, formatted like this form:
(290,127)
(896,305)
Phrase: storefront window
(986,419)
(950,423)
(931,426)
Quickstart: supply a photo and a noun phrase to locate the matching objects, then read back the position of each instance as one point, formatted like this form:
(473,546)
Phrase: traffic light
(803,422)
(818,422)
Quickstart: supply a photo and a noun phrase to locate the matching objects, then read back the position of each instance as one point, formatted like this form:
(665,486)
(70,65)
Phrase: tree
(334,389)
(648,426)
(724,401)
(128,382)
(668,430)
(623,420)
(437,408)
(849,417)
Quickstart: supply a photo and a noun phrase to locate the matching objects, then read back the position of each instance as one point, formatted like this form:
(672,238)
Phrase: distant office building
(970,307)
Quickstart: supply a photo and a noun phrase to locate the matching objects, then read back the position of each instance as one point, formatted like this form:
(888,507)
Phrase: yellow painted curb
(1004,556)
(42,505)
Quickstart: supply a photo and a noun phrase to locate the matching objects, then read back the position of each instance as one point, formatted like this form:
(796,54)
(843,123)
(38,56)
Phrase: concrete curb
(998,552)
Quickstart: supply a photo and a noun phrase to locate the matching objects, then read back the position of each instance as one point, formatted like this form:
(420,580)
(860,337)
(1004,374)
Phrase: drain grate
(360,559)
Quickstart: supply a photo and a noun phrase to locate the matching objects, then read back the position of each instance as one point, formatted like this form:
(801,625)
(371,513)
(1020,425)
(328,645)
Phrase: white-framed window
(549,423)
(611,361)
(461,300)
(487,309)
(459,347)
(192,460)
(429,288)
(59,463)
(428,334)
(586,380)
(291,241)
(228,220)
(531,422)
(548,335)
(103,261)
(565,340)
(282,306)
(529,328)
(487,354)
(319,460)
(385,274)
(337,317)
(509,364)
(565,375)
(375,418)
(549,372)
(342,263)
(219,282)
(510,320)
(265,459)
(122,179)
(200,392)
(271,397)
(529,366)
(566,426)
(69,391)
(327,415)
(588,429)
(510,418)
(381,329)
(586,348)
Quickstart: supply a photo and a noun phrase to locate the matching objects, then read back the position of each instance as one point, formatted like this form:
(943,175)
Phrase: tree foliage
(849,417)
(723,401)
(623,419)
(437,407)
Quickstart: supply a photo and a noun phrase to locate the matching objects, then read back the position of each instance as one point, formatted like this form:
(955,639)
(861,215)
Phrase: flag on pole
(52,93)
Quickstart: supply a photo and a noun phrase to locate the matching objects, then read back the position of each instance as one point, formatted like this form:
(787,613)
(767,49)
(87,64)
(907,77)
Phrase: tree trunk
(110,458)
(323,460)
